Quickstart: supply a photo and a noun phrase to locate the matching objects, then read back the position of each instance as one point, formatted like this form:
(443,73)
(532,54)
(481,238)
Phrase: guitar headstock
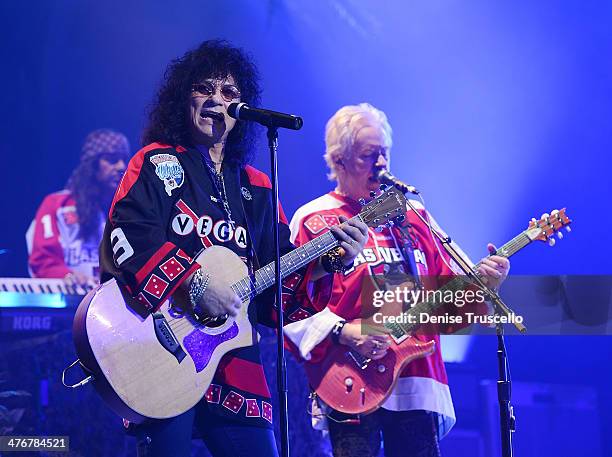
(384,208)
(549,224)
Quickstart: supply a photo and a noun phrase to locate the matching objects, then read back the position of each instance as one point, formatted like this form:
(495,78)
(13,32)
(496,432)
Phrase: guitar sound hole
(218,322)
(207,321)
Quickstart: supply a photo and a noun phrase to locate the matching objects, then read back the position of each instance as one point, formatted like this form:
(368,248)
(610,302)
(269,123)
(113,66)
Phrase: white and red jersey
(54,245)
(423,383)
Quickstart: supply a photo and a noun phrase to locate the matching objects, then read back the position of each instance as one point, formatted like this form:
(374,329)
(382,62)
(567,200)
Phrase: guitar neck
(250,286)
(458,283)
(513,246)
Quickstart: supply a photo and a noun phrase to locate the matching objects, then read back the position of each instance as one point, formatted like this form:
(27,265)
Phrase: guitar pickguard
(200,346)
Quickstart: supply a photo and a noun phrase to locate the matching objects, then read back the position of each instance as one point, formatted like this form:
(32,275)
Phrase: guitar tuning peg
(379,229)
(560,235)
(362,201)
(383,187)
(551,242)
(390,224)
(568,229)
(372,194)
(376,221)
(400,218)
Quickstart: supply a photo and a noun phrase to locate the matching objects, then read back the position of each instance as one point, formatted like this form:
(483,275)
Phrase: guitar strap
(408,245)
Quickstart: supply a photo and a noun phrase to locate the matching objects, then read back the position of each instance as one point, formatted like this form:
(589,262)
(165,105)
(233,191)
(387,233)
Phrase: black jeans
(223,438)
(404,433)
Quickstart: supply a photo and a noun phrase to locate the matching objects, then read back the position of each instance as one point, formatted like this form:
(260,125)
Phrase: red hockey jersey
(54,245)
(423,383)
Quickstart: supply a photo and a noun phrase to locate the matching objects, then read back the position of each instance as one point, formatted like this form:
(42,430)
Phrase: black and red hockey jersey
(165,211)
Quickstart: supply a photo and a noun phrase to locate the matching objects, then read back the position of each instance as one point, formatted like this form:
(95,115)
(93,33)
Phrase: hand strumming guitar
(371,346)
(217,299)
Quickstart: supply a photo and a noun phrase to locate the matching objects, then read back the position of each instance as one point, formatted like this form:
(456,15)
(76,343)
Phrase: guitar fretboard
(250,286)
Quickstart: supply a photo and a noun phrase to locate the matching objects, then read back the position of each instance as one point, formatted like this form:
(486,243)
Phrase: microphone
(385,177)
(264,116)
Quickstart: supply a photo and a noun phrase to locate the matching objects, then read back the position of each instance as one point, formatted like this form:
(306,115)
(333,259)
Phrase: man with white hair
(419,410)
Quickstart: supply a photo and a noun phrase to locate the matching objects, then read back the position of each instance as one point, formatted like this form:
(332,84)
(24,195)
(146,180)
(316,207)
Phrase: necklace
(219,184)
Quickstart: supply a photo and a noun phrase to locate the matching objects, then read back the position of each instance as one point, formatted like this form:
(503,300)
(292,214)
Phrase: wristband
(332,262)
(337,330)
(198,286)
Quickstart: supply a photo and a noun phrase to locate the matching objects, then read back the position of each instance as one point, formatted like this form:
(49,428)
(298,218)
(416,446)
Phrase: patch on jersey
(298,315)
(252,408)
(266,411)
(182,224)
(292,281)
(155,286)
(169,170)
(419,257)
(213,394)
(331,220)
(246,194)
(315,224)
(233,401)
(240,237)
(421,262)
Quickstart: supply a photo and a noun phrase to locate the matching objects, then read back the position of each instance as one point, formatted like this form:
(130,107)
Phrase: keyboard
(35,306)
(39,286)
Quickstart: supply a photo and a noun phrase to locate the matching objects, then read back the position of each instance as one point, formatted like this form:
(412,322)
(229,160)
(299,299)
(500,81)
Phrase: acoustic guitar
(160,365)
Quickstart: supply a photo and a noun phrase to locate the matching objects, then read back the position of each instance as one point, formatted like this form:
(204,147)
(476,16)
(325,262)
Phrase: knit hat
(105,141)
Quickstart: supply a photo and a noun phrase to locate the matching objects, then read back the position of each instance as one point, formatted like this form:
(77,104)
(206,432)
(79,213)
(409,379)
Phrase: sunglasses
(229,92)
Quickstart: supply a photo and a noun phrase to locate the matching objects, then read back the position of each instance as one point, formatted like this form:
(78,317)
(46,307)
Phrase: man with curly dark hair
(63,238)
(187,190)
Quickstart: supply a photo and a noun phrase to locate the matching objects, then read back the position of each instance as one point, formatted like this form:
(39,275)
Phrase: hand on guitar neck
(352,235)
(493,268)
(373,346)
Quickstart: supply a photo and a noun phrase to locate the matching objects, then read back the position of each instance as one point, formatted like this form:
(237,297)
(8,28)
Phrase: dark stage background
(500,112)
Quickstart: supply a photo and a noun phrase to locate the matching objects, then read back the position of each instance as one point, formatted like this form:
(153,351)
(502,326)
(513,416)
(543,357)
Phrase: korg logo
(25,323)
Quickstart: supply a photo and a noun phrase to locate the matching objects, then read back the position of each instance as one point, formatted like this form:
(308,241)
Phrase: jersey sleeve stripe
(154,261)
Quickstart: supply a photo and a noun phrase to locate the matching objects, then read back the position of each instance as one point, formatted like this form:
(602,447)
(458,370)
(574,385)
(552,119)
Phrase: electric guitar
(354,384)
(160,365)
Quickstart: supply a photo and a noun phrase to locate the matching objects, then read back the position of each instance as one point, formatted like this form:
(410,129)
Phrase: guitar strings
(245,291)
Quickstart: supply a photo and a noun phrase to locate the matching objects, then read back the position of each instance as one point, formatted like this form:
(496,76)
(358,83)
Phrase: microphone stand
(504,383)
(281,367)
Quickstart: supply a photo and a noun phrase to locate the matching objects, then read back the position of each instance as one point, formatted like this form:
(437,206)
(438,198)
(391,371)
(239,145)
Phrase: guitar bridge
(166,337)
